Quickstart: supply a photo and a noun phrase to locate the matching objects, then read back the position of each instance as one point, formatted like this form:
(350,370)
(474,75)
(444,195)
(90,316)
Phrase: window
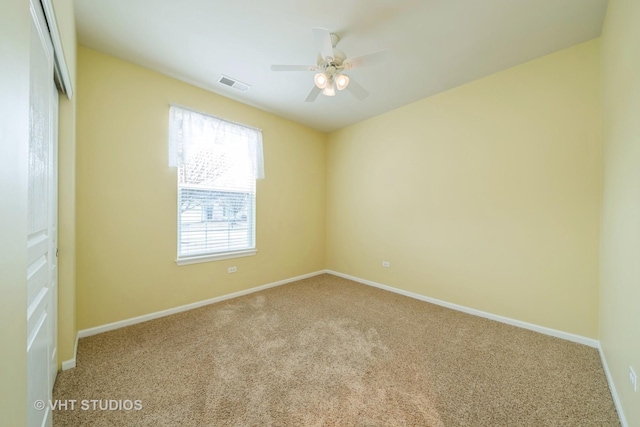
(218,163)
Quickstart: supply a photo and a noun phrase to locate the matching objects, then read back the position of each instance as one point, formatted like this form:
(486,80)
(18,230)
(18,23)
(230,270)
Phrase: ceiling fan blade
(313,95)
(294,68)
(356,90)
(367,60)
(323,42)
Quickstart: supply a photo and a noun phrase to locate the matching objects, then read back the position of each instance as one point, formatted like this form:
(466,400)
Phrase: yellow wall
(620,251)
(14,143)
(67,189)
(486,195)
(126,196)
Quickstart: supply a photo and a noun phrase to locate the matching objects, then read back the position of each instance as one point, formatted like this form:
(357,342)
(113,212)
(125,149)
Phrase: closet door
(42,274)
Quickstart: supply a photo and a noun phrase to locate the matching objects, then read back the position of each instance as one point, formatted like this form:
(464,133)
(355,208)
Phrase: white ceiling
(435,44)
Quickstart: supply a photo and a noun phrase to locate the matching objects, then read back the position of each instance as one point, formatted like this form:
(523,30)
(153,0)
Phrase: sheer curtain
(191,133)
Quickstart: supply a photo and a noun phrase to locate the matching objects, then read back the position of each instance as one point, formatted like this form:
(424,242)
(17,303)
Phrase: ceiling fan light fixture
(321,80)
(342,81)
(330,89)
(330,64)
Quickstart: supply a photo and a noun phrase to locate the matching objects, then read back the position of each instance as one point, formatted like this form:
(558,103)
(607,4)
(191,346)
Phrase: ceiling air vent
(237,85)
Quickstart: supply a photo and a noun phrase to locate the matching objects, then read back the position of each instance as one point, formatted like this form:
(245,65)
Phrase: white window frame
(251,218)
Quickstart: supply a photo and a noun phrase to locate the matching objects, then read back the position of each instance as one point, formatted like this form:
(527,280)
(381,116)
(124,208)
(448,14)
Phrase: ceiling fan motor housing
(326,64)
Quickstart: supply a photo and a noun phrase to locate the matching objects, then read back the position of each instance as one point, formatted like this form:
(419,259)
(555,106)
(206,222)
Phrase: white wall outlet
(633,379)
(386,264)
(231,270)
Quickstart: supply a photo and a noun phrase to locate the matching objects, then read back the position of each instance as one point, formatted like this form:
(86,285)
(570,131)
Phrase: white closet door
(42,274)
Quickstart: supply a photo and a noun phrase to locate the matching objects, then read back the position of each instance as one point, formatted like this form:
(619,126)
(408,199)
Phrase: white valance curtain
(191,133)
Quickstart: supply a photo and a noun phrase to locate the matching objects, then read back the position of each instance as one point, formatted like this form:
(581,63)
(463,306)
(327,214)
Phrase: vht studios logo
(89,405)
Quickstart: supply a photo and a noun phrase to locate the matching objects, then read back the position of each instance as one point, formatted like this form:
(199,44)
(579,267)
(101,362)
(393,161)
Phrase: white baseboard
(71,363)
(542,329)
(68,364)
(612,387)
(128,322)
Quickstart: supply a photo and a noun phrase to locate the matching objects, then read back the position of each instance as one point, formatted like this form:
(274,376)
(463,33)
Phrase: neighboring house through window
(218,163)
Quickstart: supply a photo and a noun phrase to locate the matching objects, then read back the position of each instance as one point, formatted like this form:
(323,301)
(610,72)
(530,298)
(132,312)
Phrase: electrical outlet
(633,379)
(386,264)
(232,270)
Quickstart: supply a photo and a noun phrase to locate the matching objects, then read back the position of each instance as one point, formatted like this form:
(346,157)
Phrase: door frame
(62,76)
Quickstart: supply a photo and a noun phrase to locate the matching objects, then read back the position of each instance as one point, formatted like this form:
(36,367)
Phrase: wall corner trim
(530,326)
(612,387)
(71,363)
(132,321)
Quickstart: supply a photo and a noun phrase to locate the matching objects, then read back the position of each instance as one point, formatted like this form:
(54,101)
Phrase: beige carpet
(328,351)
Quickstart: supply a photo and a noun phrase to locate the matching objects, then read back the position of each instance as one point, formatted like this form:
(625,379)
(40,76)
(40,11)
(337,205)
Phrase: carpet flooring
(328,351)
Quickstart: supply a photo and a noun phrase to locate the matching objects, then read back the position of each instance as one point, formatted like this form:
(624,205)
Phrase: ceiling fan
(331,65)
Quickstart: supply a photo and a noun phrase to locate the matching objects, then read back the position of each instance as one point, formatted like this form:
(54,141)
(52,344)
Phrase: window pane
(214,221)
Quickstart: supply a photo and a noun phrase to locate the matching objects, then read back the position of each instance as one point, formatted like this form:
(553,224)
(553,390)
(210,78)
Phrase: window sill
(214,257)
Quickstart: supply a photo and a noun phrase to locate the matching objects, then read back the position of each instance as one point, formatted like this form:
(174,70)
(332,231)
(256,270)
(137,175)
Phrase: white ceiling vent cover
(237,85)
